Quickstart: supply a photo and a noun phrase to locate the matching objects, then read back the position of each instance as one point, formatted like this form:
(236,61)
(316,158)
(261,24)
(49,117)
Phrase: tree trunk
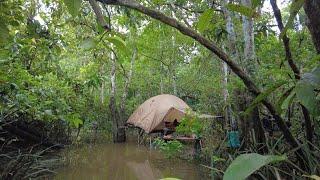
(126,88)
(172,68)
(161,80)
(118,132)
(249,52)
(102,89)
(250,65)
(231,34)
(225,94)
(235,55)
(174,82)
(312,10)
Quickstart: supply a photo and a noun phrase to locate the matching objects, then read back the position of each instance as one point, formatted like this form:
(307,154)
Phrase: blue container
(233,139)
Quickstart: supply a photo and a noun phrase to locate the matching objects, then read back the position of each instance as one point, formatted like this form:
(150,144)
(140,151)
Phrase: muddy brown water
(126,161)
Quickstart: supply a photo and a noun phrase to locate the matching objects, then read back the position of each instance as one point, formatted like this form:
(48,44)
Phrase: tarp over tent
(151,115)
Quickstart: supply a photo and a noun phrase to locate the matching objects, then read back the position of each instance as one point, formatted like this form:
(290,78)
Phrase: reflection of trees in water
(144,170)
(123,161)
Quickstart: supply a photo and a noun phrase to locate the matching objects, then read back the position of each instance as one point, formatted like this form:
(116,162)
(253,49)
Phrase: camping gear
(233,133)
(233,139)
(154,112)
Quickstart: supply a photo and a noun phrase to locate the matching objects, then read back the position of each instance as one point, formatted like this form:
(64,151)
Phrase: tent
(151,115)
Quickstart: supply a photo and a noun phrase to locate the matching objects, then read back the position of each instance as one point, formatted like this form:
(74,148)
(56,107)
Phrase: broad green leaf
(285,104)
(244,10)
(312,77)
(204,20)
(77,122)
(307,97)
(73,6)
(89,43)
(294,9)
(246,164)
(118,42)
(263,96)
(74,119)
(170,178)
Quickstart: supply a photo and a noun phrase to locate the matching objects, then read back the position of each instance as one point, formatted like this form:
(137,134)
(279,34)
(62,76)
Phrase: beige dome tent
(151,115)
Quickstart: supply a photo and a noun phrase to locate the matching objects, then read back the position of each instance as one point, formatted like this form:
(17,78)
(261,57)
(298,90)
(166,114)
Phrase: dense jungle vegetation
(70,66)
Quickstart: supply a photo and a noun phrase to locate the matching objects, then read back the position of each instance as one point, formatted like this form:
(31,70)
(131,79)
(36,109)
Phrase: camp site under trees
(160,89)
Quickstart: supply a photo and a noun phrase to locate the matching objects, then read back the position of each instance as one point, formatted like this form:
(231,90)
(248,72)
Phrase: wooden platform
(179,138)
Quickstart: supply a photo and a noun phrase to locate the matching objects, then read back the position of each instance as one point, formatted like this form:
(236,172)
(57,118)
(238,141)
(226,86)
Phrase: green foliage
(256,3)
(264,95)
(305,90)
(190,124)
(170,149)
(74,120)
(246,164)
(55,68)
(73,6)
(295,7)
(4,32)
(286,100)
(305,93)
(313,77)
(204,20)
(40,98)
(89,43)
(7,8)
(118,42)
(244,10)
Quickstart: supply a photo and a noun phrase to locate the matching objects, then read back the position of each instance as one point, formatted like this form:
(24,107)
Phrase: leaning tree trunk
(212,46)
(118,132)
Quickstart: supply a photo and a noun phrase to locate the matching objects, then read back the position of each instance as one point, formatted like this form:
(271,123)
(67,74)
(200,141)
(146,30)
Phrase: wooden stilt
(150,141)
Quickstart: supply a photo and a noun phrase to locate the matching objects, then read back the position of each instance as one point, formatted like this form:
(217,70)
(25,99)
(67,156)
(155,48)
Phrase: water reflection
(125,161)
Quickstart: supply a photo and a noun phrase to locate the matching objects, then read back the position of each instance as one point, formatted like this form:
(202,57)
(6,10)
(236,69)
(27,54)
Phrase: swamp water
(126,161)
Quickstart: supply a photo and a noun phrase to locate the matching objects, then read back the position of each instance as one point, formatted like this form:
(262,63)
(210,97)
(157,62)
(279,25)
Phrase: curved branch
(218,52)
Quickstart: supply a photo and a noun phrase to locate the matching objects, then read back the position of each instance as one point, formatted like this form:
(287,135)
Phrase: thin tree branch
(167,65)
